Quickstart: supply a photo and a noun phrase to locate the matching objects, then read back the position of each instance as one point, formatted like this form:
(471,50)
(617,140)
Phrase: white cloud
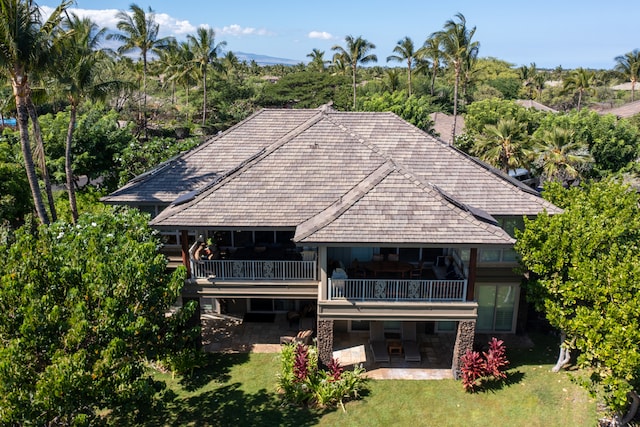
(237,30)
(107,18)
(323,35)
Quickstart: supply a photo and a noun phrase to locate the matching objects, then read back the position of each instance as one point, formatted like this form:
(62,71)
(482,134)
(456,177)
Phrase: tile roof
(337,177)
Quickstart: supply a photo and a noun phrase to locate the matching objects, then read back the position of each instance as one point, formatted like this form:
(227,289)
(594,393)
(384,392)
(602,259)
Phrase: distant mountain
(264,59)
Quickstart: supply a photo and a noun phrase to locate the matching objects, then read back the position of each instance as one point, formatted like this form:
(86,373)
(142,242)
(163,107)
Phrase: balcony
(378,290)
(254,270)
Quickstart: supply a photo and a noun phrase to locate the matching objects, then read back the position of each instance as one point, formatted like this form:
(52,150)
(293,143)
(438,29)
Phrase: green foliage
(584,274)
(301,381)
(612,143)
(413,109)
(15,193)
(97,140)
(83,310)
(490,111)
(140,156)
(306,89)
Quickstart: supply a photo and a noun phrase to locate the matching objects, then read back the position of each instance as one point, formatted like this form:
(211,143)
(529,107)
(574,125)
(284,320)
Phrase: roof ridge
(342,204)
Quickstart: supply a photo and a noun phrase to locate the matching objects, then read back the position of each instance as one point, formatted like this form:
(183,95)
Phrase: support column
(184,243)
(464,341)
(471,280)
(325,340)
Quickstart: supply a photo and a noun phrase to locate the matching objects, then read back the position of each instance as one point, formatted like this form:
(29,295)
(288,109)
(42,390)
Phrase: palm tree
(205,52)
(139,32)
(579,81)
(458,50)
(392,79)
(629,65)
(559,155)
(504,145)
(404,51)
(78,59)
(527,75)
(26,43)
(356,52)
(318,62)
(430,51)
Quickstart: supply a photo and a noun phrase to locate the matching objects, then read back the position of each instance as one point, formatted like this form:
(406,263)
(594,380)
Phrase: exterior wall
(325,340)
(464,342)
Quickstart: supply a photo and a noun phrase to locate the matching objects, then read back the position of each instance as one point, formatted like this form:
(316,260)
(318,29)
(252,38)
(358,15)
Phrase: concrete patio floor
(227,334)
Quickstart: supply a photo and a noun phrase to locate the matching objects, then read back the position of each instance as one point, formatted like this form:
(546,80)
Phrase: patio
(228,334)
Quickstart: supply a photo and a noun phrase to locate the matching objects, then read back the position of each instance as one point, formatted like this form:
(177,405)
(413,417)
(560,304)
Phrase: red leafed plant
(496,359)
(301,363)
(472,369)
(335,370)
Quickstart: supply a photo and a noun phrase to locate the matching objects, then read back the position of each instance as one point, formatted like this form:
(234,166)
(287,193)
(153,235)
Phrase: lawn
(239,390)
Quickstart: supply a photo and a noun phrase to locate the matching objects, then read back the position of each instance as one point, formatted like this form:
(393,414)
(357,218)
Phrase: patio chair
(378,343)
(410,342)
(416,273)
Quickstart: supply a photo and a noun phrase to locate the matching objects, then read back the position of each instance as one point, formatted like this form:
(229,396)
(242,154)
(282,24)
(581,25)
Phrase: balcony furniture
(389,267)
(410,342)
(394,347)
(416,273)
(378,343)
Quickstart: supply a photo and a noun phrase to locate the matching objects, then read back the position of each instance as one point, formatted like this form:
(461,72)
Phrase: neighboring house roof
(335,177)
(530,103)
(626,110)
(442,124)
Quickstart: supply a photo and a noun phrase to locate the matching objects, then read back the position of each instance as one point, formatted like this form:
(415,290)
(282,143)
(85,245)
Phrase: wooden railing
(253,270)
(397,290)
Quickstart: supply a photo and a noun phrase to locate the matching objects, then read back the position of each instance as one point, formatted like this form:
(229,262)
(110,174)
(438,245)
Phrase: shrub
(302,382)
(477,368)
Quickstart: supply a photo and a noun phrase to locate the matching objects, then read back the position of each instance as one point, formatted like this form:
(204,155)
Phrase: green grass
(239,390)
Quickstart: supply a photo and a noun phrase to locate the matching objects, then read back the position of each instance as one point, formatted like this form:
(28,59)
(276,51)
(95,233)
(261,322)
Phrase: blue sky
(569,33)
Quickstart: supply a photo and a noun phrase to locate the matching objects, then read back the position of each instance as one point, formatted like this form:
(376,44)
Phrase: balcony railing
(397,290)
(254,270)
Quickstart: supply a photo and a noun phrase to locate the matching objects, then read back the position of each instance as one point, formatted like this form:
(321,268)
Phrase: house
(421,233)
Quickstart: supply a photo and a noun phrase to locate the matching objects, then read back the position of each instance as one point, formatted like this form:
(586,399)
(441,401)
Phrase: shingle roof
(627,110)
(340,177)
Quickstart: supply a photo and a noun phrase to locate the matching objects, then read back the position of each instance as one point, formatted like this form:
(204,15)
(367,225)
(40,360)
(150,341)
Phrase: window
(506,255)
(496,307)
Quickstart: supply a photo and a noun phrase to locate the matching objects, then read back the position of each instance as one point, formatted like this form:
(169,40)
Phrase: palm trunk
(455,106)
(23,124)
(409,75)
(433,78)
(41,158)
(354,87)
(204,97)
(144,94)
(67,165)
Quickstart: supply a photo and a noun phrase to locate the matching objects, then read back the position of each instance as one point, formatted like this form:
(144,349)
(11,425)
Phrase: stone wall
(464,341)
(325,340)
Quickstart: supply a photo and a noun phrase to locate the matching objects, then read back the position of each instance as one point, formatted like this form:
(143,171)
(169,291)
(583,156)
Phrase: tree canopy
(84,308)
(584,275)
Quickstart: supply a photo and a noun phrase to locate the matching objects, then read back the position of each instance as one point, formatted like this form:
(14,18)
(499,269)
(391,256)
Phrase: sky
(567,33)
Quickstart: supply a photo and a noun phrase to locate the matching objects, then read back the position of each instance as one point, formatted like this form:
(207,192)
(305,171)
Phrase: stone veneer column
(325,340)
(464,341)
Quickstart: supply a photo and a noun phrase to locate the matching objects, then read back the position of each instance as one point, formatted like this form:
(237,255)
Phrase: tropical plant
(584,274)
(318,62)
(356,52)
(504,145)
(629,65)
(560,156)
(85,311)
(430,52)
(405,51)
(458,49)
(579,81)
(301,381)
(205,53)
(26,43)
(78,59)
(477,369)
(139,32)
